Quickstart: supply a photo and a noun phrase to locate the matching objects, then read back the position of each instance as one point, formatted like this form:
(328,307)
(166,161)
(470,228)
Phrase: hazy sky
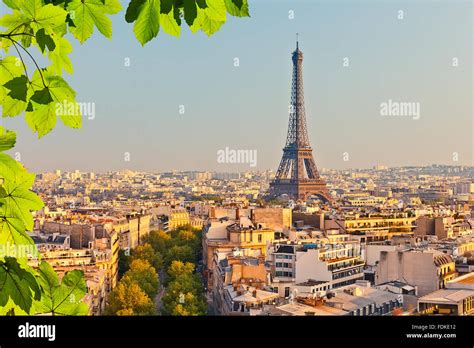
(246,107)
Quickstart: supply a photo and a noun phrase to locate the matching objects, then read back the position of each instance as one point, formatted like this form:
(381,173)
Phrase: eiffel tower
(297,175)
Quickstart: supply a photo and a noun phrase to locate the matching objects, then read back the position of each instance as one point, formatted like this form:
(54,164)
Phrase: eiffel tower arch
(297,175)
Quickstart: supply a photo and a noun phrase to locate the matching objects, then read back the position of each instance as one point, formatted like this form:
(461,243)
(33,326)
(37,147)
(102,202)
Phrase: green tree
(146,252)
(183,296)
(142,273)
(191,305)
(127,298)
(159,240)
(186,235)
(184,290)
(123,263)
(182,253)
(178,268)
(39,28)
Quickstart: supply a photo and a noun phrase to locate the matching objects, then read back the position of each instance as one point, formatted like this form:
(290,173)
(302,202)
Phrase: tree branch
(22,61)
(31,57)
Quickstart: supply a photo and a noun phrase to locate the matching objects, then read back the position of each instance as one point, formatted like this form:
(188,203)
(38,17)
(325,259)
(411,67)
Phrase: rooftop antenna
(297,40)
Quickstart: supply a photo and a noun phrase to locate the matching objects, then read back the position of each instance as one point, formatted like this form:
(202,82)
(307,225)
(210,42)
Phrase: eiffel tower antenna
(297,175)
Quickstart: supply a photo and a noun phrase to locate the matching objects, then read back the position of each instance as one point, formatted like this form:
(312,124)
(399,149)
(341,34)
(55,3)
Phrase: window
(259,238)
(289,257)
(287,291)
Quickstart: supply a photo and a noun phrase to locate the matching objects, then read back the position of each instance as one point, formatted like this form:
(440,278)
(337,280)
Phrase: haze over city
(137,107)
(314,159)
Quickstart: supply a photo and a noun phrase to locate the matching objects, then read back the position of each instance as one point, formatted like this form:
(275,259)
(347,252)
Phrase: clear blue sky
(137,107)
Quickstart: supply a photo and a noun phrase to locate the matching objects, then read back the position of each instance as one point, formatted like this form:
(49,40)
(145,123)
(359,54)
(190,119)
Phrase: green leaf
(147,25)
(12,230)
(18,284)
(190,11)
(166,6)
(42,118)
(33,14)
(62,3)
(133,10)
(169,25)
(42,96)
(206,24)
(5,44)
(216,10)
(49,17)
(14,4)
(89,13)
(58,87)
(7,139)
(201,3)
(238,3)
(69,21)
(31,7)
(10,107)
(238,8)
(18,87)
(18,201)
(14,20)
(61,298)
(10,67)
(26,39)
(177,14)
(44,40)
(59,57)
(30,16)
(211,18)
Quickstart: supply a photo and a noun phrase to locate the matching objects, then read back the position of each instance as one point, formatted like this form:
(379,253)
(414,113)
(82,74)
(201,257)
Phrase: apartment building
(240,286)
(428,270)
(358,299)
(222,236)
(456,299)
(336,265)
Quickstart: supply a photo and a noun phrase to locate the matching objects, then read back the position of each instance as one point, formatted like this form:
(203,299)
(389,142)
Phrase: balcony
(342,268)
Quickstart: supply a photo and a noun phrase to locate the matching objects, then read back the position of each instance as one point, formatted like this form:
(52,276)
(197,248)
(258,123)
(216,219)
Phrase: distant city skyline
(251,170)
(234,89)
